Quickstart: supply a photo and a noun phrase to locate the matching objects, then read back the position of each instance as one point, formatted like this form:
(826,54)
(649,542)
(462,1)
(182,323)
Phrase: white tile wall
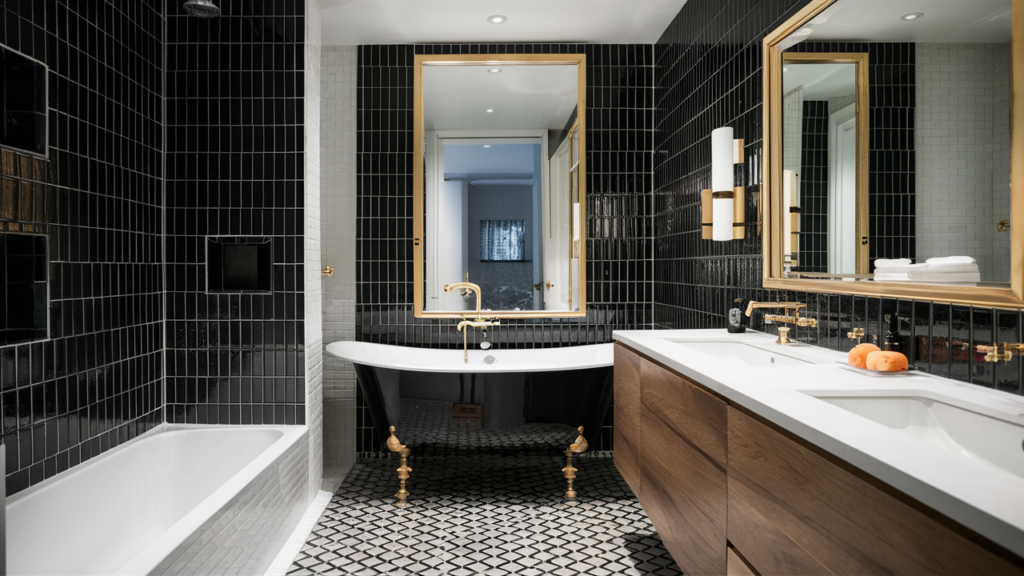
(314,293)
(245,538)
(962,108)
(793,129)
(338,205)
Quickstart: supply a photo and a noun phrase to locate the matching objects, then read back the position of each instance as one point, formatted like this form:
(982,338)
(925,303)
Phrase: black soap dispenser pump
(736,318)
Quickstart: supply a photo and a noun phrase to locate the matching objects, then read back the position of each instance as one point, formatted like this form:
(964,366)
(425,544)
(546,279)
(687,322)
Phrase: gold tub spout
(464,328)
(578,447)
(403,470)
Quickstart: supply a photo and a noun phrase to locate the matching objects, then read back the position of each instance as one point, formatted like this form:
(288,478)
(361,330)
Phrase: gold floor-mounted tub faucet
(785,318)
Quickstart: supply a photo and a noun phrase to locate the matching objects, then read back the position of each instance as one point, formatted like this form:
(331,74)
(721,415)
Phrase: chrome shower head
(202,8)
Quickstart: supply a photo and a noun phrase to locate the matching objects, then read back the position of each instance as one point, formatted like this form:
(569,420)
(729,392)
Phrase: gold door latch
(328,271)
(547,285)
(1003,226)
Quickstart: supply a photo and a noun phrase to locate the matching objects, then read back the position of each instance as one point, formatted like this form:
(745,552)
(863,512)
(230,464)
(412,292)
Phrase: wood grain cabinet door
(683,484)
(627,416)
(825,513)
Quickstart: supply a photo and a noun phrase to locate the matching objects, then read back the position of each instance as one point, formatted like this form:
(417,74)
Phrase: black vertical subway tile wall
(813,247)
(891,97)
(96,380)
(619,181)
(708,73)
(235,173)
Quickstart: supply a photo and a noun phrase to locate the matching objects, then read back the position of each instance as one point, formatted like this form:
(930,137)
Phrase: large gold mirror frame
(772,177)
(421,60)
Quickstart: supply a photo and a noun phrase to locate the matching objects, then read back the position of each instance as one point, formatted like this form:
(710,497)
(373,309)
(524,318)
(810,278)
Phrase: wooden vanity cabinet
(730,493)
(793,510)
(626,416)
(681,466)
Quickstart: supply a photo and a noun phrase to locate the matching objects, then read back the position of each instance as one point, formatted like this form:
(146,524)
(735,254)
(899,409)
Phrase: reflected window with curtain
(502,240)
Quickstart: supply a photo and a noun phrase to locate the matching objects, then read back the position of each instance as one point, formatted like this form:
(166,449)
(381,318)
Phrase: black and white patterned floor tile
(484,515)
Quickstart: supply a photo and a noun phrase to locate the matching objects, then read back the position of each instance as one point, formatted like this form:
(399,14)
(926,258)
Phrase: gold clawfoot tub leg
(578,447)
(403,470)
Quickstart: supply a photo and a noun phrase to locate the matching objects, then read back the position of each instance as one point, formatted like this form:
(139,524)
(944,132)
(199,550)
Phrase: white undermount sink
(980,434)
(732,352)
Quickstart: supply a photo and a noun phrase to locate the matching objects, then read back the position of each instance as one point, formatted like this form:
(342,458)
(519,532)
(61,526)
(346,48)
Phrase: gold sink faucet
(464,327)
(1000,351)
(785,318)
(467,286)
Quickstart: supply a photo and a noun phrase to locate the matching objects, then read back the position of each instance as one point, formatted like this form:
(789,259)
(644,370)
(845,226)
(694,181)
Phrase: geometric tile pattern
(426,427)
(484,514)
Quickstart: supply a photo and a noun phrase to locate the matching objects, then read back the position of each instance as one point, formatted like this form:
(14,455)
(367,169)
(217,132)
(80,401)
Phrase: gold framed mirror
(499,142)
(940,185)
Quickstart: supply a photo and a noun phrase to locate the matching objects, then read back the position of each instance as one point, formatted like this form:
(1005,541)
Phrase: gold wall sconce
(722,208)
(328,271)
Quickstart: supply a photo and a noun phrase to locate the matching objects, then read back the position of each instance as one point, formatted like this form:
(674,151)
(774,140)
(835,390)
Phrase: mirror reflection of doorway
(842,163)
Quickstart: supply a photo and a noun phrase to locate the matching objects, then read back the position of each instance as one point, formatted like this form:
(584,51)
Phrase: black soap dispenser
(736,318)
(894,342)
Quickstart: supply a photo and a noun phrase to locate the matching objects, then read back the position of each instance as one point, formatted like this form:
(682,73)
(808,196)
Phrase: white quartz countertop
(479,361)
(985,498)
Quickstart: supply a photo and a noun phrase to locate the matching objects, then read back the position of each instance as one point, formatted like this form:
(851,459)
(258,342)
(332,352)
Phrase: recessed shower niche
(239,265)
(24,288)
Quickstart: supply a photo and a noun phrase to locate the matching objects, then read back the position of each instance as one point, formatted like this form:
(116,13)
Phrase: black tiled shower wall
(235,169)
(709,74)
(97,381)
(619,234)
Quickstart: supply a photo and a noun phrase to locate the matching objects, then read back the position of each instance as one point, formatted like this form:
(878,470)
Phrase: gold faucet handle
(581,445)
(856,334)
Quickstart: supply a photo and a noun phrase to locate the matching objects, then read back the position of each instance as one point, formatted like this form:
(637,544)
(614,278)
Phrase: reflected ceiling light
(785,69)
(494,70)
(496,19)
(487,145)
(912,16)
(489,110)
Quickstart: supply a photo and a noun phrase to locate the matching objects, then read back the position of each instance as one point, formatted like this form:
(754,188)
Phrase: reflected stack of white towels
(944,270)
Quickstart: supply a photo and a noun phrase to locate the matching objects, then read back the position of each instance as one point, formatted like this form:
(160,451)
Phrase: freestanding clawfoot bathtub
(578,378)
(180,499)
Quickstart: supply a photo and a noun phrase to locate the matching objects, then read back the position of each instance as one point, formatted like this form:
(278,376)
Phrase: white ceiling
(821,81)
(948,21)
(522,97)
(354,22)
(498,159)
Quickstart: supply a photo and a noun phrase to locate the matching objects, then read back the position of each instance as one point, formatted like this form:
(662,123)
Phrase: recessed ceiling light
(494,70)
(785,69)
(496,19)
(487,145)
(489,110)
(912,16)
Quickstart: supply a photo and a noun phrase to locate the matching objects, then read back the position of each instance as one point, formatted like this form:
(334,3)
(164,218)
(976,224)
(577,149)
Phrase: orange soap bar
(887,361)
(858,357)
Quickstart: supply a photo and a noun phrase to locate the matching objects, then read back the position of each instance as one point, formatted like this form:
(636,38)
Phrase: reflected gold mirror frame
(421,60)
(863,138)
(771,190)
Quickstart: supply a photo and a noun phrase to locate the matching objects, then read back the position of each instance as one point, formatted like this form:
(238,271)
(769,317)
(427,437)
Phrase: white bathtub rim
(76,469)
(227,494)
(509,360)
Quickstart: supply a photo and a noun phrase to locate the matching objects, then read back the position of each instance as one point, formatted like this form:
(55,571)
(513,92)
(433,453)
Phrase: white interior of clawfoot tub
(125,511)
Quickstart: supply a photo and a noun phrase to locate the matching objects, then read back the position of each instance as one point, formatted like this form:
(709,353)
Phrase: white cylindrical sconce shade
(722,160)
(721,212)
(722,183)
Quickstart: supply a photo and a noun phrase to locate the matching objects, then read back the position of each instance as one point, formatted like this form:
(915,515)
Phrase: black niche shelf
(23,267)
(239,265)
